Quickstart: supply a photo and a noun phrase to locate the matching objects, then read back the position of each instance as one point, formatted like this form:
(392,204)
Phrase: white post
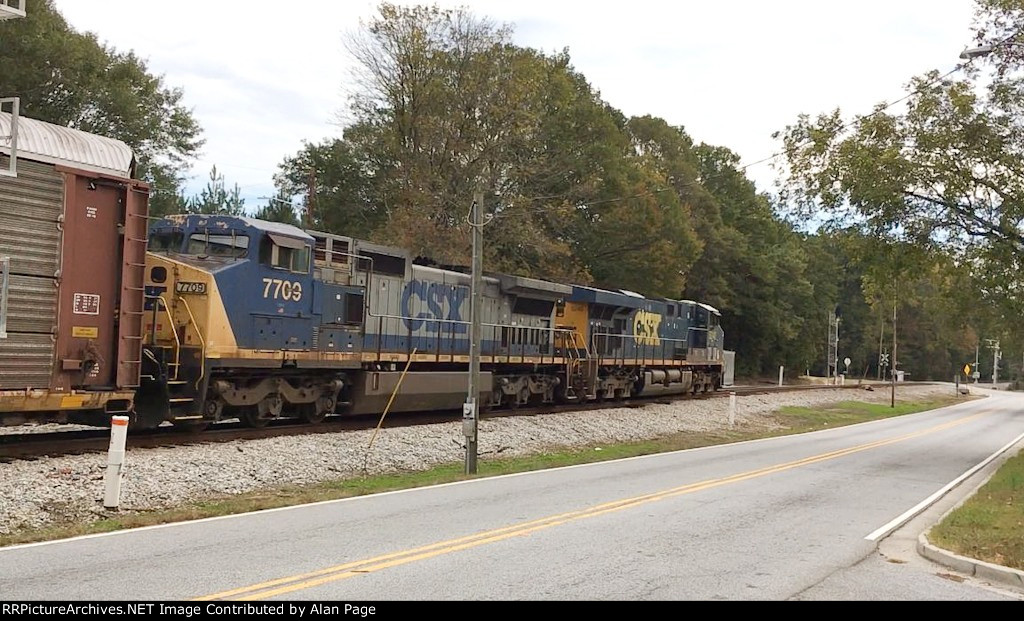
(115,462)
(781,369)
(732,409)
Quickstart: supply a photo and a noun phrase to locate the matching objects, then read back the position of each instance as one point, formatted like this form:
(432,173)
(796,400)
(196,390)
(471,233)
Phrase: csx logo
(645,328)
(436,296)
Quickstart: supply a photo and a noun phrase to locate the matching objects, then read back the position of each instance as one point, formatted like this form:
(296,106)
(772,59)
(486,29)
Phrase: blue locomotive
(258,320)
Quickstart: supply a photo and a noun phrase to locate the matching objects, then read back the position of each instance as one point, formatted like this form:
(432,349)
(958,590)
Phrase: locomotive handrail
(174,331)
(466,323)
(642,347)
(202,342)
(369,279)
(553,331)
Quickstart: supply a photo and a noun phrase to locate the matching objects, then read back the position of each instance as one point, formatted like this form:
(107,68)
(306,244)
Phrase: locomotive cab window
(218,244)
(284,253)
(166,241)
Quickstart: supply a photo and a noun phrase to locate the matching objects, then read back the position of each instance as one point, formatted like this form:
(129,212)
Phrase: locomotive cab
(229,292)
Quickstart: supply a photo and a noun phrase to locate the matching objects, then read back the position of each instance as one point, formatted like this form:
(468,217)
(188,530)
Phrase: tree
(215,198)
(950,171)
(944,171)
(447,104)
(69,78)
(348,198)
(279,209)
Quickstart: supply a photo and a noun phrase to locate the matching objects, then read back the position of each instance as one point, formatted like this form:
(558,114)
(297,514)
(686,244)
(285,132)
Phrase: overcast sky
(262,76)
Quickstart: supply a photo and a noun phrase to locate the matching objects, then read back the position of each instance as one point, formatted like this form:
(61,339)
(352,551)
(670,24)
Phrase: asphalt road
(785,518)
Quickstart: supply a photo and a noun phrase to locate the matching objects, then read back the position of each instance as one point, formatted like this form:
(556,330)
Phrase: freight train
(231,317)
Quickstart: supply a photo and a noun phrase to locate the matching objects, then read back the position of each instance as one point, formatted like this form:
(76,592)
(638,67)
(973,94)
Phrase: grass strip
(990,525)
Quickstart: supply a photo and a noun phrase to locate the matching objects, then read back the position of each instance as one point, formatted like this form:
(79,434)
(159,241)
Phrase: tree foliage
(938,177)
(216,198)
(69,78)
(575,191)
(449,105)
(278,209)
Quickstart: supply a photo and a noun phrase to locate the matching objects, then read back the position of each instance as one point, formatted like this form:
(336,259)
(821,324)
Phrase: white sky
(262,76)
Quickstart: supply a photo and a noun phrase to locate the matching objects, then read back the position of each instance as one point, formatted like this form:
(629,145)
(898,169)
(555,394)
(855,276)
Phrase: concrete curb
(970,566)
(963,564)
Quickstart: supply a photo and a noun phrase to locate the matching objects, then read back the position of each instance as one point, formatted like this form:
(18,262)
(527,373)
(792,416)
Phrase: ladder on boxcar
(133,292)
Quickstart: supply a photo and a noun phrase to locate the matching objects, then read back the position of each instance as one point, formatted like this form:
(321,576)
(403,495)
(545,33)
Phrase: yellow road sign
(967,369)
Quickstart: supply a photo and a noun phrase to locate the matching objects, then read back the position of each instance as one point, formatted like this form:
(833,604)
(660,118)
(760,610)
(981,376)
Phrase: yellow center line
(289,584)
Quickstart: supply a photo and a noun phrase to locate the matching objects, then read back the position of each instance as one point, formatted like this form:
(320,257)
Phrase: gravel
(42,428)
(69,489)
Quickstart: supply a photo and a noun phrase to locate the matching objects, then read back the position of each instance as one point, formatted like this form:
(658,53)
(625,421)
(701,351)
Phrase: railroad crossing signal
(883,359)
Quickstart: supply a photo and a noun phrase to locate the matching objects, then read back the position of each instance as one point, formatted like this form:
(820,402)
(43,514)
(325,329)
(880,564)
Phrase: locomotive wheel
(311,414)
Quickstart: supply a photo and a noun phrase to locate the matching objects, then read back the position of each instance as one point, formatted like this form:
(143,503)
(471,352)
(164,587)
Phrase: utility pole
(832,361)
(977,353)
(893,367)
(993,344)
(838,319)
(881,336)
(310,197)
(471,410)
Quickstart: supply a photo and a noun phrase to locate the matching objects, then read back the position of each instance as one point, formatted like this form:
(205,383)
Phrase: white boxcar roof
(55,144)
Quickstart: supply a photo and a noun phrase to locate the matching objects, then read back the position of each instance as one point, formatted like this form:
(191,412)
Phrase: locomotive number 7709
(282,289)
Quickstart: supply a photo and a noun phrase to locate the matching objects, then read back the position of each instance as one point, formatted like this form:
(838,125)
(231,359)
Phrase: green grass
(851,412)
(789,420)
(990,525)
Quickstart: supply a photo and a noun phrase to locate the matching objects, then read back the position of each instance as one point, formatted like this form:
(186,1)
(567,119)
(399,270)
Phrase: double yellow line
(290,584)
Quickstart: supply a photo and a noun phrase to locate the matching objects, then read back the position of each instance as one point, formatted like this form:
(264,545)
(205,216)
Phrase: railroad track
(29,446)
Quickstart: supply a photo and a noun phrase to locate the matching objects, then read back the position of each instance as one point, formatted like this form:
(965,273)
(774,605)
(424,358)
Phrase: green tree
(215,198)
(448,104)
(750,265)
(279,208)
(69,78)
(944,170)
(345,193)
